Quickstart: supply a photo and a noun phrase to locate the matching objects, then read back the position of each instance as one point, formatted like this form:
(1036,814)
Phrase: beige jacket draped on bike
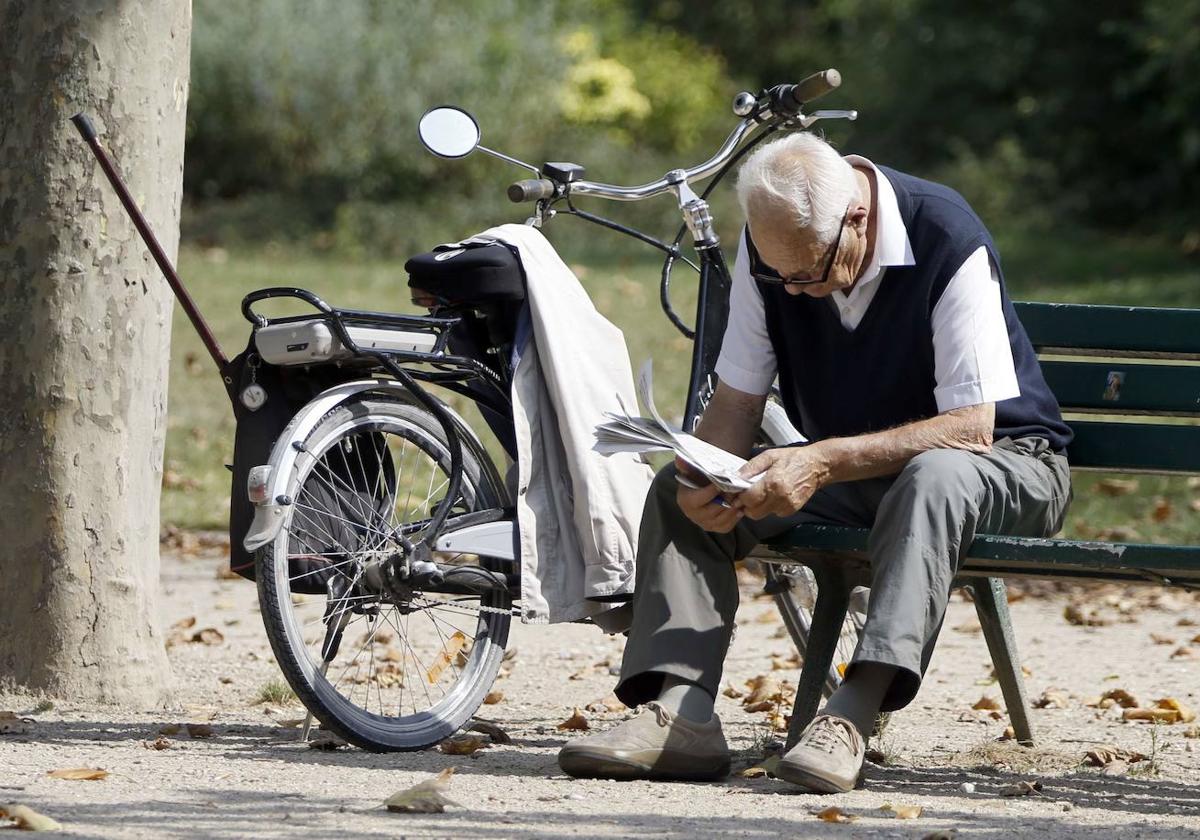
(578,512)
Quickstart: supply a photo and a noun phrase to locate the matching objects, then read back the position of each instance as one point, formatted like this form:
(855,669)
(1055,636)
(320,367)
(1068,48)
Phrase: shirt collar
(892,246)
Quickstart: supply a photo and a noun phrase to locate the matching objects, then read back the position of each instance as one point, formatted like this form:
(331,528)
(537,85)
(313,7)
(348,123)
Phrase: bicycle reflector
(257,483)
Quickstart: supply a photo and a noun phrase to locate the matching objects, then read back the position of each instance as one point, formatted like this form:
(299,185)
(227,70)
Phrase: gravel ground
(252,778)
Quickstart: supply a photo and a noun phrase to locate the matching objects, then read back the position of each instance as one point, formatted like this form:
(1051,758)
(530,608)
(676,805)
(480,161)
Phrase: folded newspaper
(626,433)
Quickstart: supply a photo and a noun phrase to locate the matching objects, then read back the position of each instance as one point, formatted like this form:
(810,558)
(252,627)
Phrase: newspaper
(628,433)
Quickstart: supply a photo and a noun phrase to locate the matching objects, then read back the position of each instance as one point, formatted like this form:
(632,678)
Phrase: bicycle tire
(344,428)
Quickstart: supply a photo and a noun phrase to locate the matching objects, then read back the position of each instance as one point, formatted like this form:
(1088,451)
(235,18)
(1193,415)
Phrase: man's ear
(858,218)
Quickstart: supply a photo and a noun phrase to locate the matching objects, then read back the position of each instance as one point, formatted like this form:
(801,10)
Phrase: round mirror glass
(449,132)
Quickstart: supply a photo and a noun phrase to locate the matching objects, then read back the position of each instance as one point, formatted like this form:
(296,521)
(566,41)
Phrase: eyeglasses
(771,276)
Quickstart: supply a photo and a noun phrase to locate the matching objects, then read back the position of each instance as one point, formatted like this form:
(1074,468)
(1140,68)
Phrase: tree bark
(84,341)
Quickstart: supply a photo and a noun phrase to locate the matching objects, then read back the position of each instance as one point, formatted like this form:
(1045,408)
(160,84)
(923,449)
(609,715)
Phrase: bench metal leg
(833,598)
(991,603)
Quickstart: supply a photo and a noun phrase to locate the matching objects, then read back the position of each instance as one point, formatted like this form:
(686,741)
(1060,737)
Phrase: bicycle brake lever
(808,119)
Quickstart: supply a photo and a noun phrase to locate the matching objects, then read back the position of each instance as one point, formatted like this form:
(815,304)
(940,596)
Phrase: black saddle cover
(478,271)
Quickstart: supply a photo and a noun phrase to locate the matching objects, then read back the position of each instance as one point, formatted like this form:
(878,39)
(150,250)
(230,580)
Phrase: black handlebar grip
(86,129)
(533,189)
(816,86)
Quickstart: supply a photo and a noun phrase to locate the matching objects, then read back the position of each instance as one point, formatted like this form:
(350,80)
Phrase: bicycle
(379,506)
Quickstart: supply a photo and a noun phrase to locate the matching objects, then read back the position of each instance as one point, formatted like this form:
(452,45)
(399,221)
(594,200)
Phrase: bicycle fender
(289,453)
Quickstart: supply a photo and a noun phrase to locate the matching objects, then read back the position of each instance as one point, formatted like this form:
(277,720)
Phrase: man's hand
(790,476)
(703,506)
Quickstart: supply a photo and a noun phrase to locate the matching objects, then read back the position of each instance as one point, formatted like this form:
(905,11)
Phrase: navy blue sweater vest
(837,382)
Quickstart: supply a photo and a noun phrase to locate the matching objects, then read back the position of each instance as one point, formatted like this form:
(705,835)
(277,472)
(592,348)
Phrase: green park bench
(1133,371)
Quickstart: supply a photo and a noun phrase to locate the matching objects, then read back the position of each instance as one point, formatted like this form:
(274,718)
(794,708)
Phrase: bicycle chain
(470,610)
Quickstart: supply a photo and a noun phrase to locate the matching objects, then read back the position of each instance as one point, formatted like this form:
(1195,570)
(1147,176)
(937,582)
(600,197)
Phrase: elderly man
(877,299)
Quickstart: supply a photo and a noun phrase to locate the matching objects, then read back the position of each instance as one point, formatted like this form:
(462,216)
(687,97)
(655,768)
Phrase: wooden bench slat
(1135,447)
(991,554)
(1117,388)
(1115,328)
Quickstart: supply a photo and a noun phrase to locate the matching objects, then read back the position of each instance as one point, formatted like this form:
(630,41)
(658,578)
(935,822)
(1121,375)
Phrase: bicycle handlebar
(533,189)
(791,97)
(662,185)
(812,87)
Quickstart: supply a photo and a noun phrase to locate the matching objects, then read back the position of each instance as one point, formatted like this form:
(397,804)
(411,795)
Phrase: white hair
(803,176)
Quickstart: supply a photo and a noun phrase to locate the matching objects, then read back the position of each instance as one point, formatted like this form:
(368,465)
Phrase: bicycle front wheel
(383,672)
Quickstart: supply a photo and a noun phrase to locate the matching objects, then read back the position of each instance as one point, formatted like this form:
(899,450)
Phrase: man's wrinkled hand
(790,476)
(702,505)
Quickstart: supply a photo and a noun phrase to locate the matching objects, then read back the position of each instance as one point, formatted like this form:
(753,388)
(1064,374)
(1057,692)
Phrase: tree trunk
(84,340)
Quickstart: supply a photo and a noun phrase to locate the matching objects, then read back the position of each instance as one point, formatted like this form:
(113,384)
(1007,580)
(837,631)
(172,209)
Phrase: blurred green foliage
(302,117)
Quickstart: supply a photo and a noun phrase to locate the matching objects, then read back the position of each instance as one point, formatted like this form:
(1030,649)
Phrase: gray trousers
(921,521)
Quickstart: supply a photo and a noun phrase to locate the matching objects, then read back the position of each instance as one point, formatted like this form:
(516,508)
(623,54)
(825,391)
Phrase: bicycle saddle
(473,271)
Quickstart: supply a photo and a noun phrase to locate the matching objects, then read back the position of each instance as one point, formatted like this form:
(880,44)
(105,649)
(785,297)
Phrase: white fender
(286,458)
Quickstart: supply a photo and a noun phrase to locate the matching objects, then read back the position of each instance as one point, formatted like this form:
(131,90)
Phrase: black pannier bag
(321,539)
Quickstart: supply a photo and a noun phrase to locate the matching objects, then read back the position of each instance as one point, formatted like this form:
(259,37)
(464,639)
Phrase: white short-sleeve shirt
(973,361)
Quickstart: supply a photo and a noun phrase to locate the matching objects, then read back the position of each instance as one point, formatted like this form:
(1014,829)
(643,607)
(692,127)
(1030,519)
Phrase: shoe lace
(661,715)
(830,733)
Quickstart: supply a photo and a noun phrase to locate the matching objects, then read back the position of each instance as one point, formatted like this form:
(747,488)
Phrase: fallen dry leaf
(732,692)
(1052,698)
(463,744)
(1022,788)
(327,742)
(576,722)
(1117,486)
(1186,715)
(785,663)
(1165,710)
(493,697)
(606,704)
(1160,639)
(1184,652)
(902,812)
(763,768)
(449,651)
(427,797)
(159,743)
(199,730)
(834,814)
(498,735)
(761,688)
(27,819)
(1009,734)
(13,724)
(1082,616)
(209,636)
(987,704)
(1121,697)
(1163,510)
(1106,755)
(79,774)
(1153,715)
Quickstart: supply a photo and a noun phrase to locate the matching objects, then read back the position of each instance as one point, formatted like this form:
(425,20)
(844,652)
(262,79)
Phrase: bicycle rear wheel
(384,672)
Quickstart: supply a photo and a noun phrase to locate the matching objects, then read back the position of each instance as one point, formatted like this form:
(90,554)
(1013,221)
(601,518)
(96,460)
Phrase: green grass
(1077,268)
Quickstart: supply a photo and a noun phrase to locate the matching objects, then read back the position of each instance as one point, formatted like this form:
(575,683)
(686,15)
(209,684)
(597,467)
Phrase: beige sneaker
(828,758)
(654,745)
